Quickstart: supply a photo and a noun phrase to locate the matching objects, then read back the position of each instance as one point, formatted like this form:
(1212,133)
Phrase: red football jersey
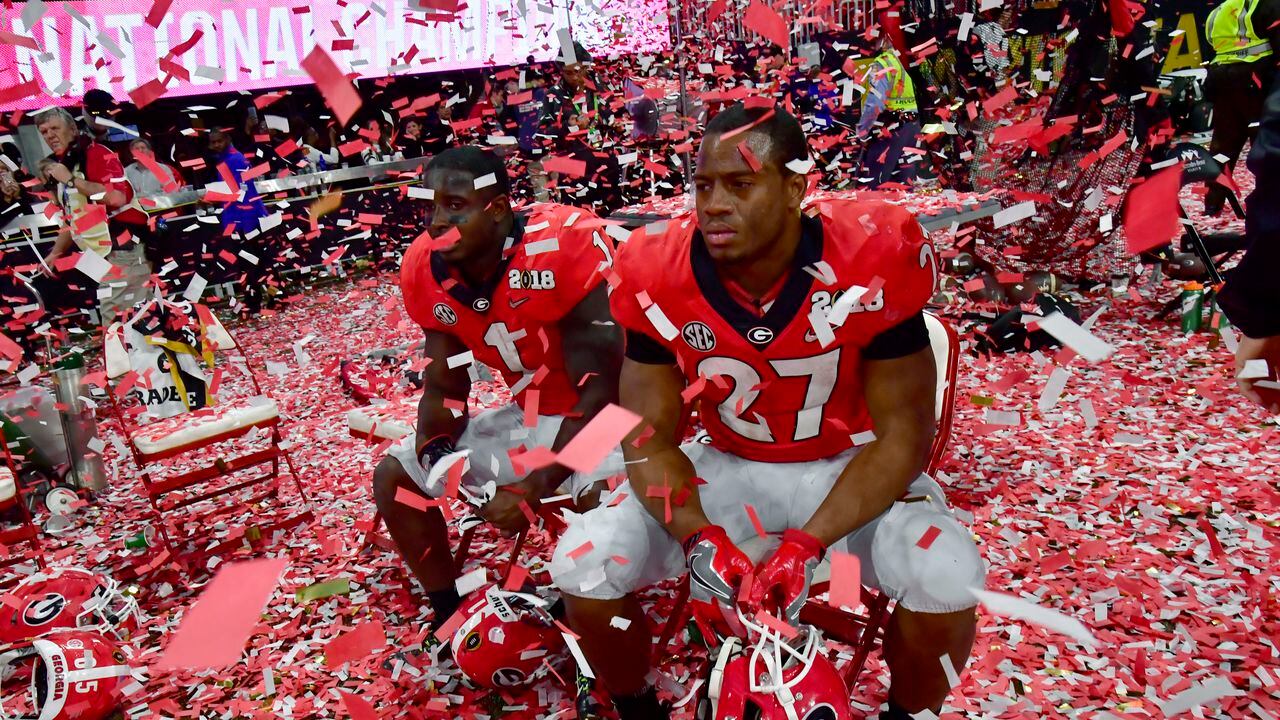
(786,387)
(511,323)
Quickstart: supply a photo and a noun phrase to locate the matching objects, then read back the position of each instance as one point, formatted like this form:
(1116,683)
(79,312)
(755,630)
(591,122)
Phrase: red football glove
(782,580)
(716,565)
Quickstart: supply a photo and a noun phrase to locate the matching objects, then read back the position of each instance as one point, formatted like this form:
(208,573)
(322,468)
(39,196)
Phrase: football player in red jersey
(525,296)
(802,338)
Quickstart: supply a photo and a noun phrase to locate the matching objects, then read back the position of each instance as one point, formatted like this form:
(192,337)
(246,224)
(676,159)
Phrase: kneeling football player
(802,337)
(523,295)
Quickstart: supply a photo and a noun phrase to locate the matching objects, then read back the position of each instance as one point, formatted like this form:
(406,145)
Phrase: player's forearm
(871,482)
(436,420)
(597,392)
(663,480)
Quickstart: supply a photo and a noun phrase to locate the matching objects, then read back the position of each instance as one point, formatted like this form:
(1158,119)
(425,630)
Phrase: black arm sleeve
(1251,296)
(644,349)
(907,337)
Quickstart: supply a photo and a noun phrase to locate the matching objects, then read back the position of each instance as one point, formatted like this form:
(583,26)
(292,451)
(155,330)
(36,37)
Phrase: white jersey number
(503,340)
(820,369)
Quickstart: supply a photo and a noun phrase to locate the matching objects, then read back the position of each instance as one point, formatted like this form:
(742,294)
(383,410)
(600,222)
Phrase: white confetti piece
(541,246)
(619,622)
(195,288)
(1256,368)
(953,678)
(93,265)
(421,193)
(1198,695)
(578,657)
(821,328)
(660,322)
(485,181)
(1019,609)
(457,361)
(1084,343)
(1013,214)
(1053,388)
(471,581)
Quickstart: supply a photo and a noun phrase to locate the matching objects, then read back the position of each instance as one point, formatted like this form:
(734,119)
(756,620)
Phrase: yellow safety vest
(1232,35)
(902,92)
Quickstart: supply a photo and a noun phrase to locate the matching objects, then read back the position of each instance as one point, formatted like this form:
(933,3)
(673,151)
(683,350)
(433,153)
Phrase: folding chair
(215,448)
(860,631)
(25,531)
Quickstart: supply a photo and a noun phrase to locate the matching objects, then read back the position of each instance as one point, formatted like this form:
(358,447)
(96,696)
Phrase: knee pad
(593,573)
(936,578)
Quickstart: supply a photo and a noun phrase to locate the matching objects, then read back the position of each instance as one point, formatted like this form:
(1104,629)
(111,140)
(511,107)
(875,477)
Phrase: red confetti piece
(598,438)
(928,537)
(214,631)
(1151,212)
(339,94)
(355,644)
(755,521)
(765,21)
(158,10)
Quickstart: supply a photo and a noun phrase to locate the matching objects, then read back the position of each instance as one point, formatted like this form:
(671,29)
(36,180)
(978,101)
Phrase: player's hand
(716,565)
(504,511)
(782,579)
(58,172)
(1268,350)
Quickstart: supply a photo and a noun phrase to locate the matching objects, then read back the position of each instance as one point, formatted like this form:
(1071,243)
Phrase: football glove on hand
(716,565)
(782,579)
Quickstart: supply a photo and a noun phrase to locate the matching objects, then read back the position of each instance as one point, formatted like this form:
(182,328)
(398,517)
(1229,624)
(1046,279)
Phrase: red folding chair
(860,631)
(231,455)
(24,531)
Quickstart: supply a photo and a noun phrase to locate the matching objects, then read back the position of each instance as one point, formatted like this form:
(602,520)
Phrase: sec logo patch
(445,314)
(698,336)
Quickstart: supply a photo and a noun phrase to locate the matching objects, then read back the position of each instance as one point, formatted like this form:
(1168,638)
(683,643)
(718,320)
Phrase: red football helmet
(74,675)
(66,598)
(774,680)
(504,638)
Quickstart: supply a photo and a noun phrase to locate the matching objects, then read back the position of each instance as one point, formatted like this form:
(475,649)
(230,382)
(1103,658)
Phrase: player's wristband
(806,541)
(434,449)
(698,535)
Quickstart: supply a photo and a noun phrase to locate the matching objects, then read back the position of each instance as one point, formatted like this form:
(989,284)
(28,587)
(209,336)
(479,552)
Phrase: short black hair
(478,162)
(789,142)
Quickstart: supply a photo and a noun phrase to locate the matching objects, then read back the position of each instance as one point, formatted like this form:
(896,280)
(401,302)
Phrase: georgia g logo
(44,610)
(698,336)
(444,314)
(508,677)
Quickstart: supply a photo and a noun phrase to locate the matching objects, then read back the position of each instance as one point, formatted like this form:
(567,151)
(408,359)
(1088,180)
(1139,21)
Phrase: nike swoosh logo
(702,576)
(517,302)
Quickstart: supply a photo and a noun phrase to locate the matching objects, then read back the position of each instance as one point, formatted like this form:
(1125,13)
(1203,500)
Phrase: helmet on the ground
(504,638)
(64,598)
(70,675)
(774,679)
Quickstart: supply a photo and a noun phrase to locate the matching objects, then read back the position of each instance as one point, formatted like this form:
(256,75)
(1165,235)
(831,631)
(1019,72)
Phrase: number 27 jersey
(785,386)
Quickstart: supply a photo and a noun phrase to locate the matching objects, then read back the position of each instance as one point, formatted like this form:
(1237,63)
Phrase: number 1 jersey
(785,386)
(511,322)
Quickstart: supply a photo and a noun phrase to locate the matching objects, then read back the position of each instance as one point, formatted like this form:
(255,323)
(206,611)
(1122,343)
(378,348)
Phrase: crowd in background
(912,106)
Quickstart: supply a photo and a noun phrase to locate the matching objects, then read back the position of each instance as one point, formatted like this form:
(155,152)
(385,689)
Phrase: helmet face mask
(68,598)
(774,678)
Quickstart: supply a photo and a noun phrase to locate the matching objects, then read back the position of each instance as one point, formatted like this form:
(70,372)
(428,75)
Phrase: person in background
(1244,36)
(142,172)
(380,149)
(321,155)
(15,201)
(410,140)
(890,119)
(242,217)
(1251,297)
(98,213)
